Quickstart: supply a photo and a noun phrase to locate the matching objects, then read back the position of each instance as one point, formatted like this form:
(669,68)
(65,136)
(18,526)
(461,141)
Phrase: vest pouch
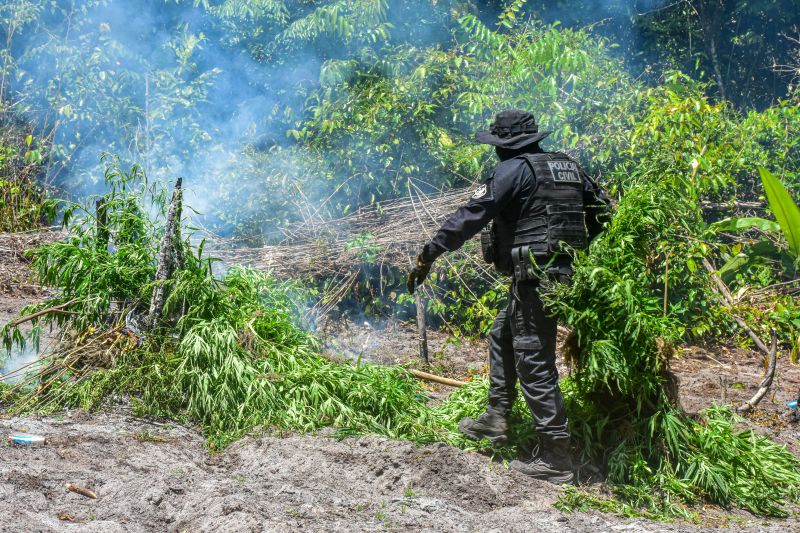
(523,267)
(532,232)
(566,225)
(488,243)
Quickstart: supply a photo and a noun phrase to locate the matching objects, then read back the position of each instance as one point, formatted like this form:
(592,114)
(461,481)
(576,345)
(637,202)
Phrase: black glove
(418,274)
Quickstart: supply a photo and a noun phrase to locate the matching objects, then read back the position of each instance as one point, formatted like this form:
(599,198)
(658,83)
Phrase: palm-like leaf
(784,208)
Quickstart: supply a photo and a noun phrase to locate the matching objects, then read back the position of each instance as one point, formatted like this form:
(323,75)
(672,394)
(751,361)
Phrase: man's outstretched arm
(486,202)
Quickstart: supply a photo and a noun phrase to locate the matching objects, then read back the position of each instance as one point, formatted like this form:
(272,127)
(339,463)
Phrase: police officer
(540,205)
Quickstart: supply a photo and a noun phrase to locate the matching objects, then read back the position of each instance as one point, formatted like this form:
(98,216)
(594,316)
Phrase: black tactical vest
(551,217)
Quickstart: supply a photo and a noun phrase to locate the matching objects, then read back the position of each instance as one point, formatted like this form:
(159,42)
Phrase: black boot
(491,425)
(550,461)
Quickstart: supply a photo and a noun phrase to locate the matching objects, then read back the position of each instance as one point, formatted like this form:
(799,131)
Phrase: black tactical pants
(522,345)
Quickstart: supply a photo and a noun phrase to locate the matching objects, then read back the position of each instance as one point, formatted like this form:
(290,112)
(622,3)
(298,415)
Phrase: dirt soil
(732,375)
(396,343)
(17,290)
(158,475)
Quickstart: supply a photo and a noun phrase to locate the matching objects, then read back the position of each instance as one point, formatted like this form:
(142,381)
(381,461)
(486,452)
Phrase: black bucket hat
(512,130)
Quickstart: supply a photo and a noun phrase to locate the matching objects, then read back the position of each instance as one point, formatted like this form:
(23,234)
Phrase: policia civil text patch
(564,171)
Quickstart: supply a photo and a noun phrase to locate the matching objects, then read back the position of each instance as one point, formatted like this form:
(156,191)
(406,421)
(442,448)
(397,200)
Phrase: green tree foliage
(378,121)
(76,73)
(741,46)
(23,205)
(735,44)
(410,89)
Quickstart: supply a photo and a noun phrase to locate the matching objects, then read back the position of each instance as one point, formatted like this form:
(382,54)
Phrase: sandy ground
(732,374)
(396,343)
(158,476)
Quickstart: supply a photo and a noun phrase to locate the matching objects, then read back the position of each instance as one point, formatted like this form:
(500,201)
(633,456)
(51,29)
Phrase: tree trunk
(709,14)
(712,49)
(166,257)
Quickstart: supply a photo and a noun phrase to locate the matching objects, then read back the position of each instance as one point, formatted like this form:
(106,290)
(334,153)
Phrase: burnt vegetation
(367,106)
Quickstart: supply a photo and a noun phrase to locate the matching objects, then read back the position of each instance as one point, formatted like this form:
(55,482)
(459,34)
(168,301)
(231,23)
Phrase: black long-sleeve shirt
(504,194)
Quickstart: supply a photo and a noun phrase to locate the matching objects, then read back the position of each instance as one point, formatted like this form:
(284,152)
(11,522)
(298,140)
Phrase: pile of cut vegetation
(228,353)
(232,354)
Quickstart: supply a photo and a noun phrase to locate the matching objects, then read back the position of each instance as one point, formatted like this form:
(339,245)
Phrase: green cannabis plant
(232,353)
(623,402)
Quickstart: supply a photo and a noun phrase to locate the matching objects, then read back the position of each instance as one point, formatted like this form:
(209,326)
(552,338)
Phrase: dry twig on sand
(771,353)
(766,383)
(72,487)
